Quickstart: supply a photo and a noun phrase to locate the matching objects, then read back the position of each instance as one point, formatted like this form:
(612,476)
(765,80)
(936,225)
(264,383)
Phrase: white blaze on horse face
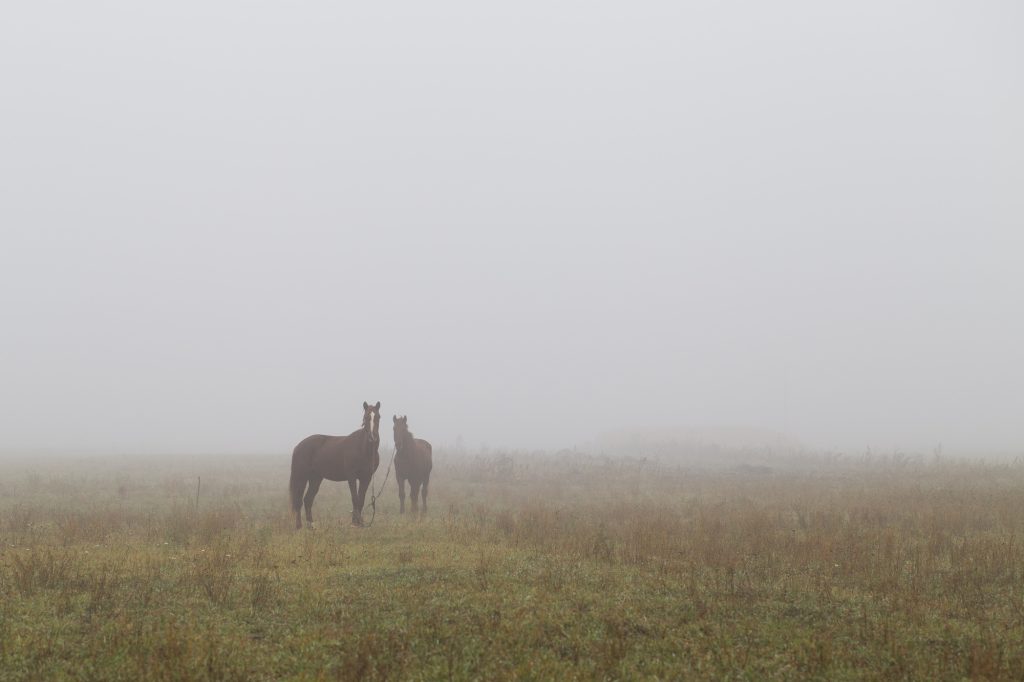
(374,419)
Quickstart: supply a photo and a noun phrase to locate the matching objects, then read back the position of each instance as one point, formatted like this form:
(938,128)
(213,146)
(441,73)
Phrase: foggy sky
(225,225)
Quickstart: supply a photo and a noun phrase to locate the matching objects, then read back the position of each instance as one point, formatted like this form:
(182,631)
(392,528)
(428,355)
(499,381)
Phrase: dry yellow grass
(528,567)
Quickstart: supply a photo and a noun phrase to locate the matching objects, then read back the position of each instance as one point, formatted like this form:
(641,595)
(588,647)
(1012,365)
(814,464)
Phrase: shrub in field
(31,570)
(213,571)
(89,525)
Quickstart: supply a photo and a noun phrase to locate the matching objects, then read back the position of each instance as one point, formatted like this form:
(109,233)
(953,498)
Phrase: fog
(526,225)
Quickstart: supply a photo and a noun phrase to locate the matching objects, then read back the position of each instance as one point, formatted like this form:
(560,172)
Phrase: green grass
(586,568)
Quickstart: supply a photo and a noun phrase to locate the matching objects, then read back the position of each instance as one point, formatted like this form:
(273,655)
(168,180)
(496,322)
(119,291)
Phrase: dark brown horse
(351,458)
(413,461)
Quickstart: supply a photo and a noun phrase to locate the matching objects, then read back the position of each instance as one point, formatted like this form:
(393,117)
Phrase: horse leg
(414,484)
(298,485)
(426,483)
(401,496)
(364,485)
(314,487)
(357,508)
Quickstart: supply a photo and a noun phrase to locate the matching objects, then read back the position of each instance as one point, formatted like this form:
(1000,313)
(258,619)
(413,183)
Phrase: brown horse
(413,461)
(351,458)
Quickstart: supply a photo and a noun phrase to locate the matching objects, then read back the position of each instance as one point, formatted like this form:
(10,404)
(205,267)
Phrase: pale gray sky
(225,225)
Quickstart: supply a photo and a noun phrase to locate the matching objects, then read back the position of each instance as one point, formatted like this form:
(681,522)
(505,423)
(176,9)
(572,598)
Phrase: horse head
(371,421)
(401,429)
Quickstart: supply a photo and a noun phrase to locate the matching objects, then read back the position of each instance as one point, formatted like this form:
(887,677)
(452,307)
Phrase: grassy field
(525,568)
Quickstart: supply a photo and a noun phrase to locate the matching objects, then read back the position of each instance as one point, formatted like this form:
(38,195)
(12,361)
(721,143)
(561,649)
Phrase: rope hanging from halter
(373,495)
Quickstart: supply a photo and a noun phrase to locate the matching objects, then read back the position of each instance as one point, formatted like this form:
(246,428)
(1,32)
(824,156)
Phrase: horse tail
(296,486)
(297,482)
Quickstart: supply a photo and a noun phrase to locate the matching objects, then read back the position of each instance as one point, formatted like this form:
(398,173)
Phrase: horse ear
(377,406)
(394,418)
(365,404)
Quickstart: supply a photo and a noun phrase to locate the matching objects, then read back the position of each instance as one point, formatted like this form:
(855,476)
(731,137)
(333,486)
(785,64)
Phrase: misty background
(226,224)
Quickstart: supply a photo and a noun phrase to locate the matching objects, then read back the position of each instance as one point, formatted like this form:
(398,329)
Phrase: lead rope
(373,495)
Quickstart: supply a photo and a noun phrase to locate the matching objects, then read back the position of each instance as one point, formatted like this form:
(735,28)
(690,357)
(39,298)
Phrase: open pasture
(527,567)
